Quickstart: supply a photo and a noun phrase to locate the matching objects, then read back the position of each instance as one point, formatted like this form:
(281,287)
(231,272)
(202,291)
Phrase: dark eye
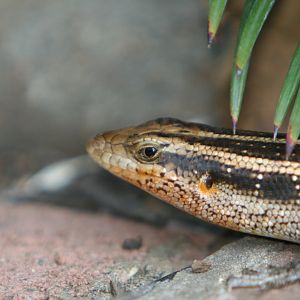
(148,153)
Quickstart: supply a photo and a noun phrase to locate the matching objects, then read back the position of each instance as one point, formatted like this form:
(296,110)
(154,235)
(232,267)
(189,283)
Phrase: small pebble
(132,243)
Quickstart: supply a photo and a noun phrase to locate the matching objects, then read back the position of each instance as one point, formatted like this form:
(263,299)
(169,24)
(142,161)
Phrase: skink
(242,181)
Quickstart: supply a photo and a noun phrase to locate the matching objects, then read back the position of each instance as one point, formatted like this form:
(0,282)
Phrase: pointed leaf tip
(289,149)
(290,143)
(234,124)
(239,76)
(294,126)
(276,128)
(210,39)
(215,13)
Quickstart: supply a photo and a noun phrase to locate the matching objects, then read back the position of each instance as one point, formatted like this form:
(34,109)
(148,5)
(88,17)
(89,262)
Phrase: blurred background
(71,69)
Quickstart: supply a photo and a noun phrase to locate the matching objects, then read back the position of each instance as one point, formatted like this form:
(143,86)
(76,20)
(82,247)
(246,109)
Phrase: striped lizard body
(242,181)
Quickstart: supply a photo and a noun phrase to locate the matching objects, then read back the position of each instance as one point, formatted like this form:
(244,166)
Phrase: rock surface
(57,253)
(49,251)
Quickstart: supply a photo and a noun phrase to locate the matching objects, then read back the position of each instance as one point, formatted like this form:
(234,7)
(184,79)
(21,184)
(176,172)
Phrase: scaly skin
(241,182)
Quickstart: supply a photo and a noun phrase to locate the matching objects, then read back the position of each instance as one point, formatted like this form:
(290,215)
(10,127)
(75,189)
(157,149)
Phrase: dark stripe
(257,149)
(273,186)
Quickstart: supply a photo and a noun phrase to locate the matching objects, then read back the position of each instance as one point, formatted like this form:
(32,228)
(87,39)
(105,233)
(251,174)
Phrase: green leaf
(289,89)
(238,80)
(251,29)
(236,93)
(215,12)
(294,126)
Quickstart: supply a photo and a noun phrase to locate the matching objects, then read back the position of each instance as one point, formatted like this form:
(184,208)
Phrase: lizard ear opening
(206,184)
(208,180)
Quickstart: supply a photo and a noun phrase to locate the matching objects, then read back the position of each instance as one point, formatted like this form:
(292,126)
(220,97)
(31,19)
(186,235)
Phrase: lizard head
(152,156)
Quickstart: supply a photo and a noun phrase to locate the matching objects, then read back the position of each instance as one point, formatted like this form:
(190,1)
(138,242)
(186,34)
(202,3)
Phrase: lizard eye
(148,153)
